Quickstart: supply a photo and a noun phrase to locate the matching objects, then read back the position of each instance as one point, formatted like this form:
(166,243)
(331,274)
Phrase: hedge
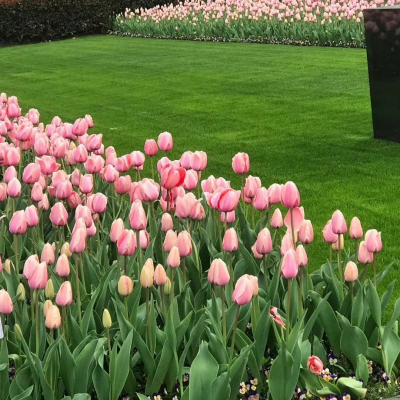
(31,21)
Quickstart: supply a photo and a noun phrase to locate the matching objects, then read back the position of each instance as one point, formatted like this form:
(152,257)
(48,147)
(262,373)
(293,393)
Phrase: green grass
(302,114)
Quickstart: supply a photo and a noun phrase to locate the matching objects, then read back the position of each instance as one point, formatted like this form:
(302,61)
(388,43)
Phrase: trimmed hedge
(31,21)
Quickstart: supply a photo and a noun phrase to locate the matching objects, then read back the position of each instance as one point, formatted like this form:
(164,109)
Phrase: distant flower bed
(301,22)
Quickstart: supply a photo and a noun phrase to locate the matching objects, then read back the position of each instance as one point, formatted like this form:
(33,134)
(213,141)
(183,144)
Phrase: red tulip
(315,365)
(172,177)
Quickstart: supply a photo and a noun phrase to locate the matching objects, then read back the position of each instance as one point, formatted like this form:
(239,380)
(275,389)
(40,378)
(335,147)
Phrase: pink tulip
(41,147)
(33,116)
(123,184)
(75,177)
(63,190)
(253,184)
(144,239)
(99,203)
(329,236)
(373,241)
(229,217)
(365,256)
(186,160)
(290,196)
(241,163)
(165,142)
(172,177)
(94,164)
(74,200)
(125,285)
(275,316)
(298,218)
(160,276)
(137,216)
(171,240)
(351,272)
(31,173)
(315,365)
(62,266)
(264,242)
(243,292)
(80,154)
(122,164)
(56,121)
(86,184)
(184,205)
(64,295)
(80,127)
(48,255)
(339,225)
(53,318)
(14,188)
(218,273)
(356,231)
(290,268)
(255,254)
(30,265)
(166,222)
(126,243)
(184,244)
(91,231)
(24,132)
(117,227)
(301,256)
(89,120)
(78,241)
(3,191)
(306,232)
(59,148)
(58,215)
(18,224)
(228,200)
(198,161)
(48,165)
(37,192)
(260,201)
(85,213)
(31,216)
(191,180)
(174,259)
(150,148)
(39,277)
(149,190)
(287,243)
(109,174)
(12,156)
(231,242)
(277,220)
(94,142)
(136,159)
(13,111)
(6,304)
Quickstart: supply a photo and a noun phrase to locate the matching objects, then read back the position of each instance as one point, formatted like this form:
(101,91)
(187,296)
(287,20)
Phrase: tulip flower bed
(326,23)
(171,285)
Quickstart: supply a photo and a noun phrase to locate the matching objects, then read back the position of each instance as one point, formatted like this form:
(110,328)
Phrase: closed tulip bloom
(254,280)
(339,244)
(21,294)
(255,254)
(301,256)
(166,222)
(30,265)
(91,231)
(365,256)
(6,305)
(126,243)
(78,241)
(218,273)
(264,242)
(3,191)
(89,121)
(63,190)
(62,266)
(41,147)
(146,277)
(241,163)
(109,174)
(260,201)
(31,173)
(315,365)
(122,164)
(122,185)
(174,259)
(75,177)
(37,192)
(171,240)
(80,127)
(184,205)
(13,111)
(339,225)
(117,227)
(150,148)
(48,164)
(48,255)
(86,184)
(351,272)
(136,159)
(356,231)
(32,216)
(47,304)
(253,184)
(184,244)
(18,224)
(94,142)
(329,236)
(198,161)
(53,318)
(9,174)
(231,242)
(290,268)
(144,239)
(49,290)
(149,190)
(165,141)
(191,180)
(84,213)
(125,285)
(137,216)
(65,250)
(186,160)
(33,116)
(290,196)
(99,204)
(7,266)
(243,292)
(39,277)
(228,200)
(64,295)
(306,232)
(373,241)
(172,177)
(297,214)
(74,200)
(14,188)
(160,275)
(277,220)
(58,215)
(107,321)
(12,156)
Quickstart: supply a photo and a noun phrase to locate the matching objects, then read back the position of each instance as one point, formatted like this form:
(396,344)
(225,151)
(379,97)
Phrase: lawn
(302,114)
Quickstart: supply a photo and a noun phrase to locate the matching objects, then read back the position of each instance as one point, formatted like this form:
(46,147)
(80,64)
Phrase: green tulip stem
(243,188)
(149,340)
(125,265)
(16,255)
(78,291)
(356,246)
(340,267)
(223,314)
(352,292)
(234,335)
(139,252)
(301,291)
(112,190)
(37,324)
(168,199)
(120,206)
(82,270)
(292,228)
(172,288)
(288,309)
(152,168)
(108,342)
(164,310)
(374,267)
(252,218)
(51,336)
(231,273)
(184,270)
(64,321)
(126,307)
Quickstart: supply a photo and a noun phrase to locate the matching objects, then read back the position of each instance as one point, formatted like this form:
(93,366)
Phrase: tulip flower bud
(171,240)
(356,231)
(351,272)
(365,256)
(277,220)
(231,242)
(21,296)
(146,277)
(47,255)
(47,304)
(53,318)
(149,263)
(107,322)
(243,292)
(315,365)
(184,244)
(167,287)
(18,333)
(160,276)
(338,244)
(289,269)
(7,266)
(166,222)
(174,259)
(125,285)
(6,304)
(65,250)
(49,290)
(64,295)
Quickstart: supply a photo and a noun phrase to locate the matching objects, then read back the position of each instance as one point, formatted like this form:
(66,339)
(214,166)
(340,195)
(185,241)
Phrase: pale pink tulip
(39,277)
(174,259)
(290,268)
(329,236)
(64,295)
(356,231)
(160,276)
(184,244)
(277,220)
(165,141)
(290,196)
(6,304)
(260,201)
(301,256)
(150,148)
(62,266)
(166,222)
(373,241)
(243,292)
(306,232)
(218,273)
(230,242)
(241,163)
(339,225)
(365,256)
(264,242)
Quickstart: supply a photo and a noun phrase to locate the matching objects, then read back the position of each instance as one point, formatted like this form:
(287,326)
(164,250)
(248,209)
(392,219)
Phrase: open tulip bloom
(82,240)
